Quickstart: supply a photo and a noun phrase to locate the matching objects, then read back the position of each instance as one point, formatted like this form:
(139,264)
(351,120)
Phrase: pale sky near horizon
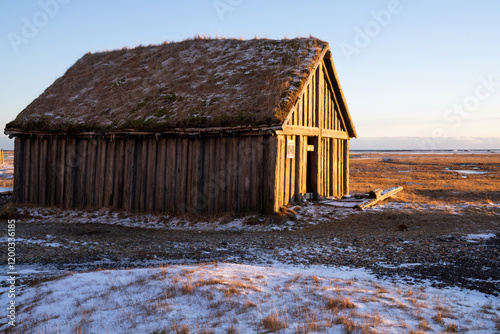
(407,68)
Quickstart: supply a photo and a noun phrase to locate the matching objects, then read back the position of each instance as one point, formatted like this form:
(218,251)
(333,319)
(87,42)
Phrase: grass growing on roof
(200,82)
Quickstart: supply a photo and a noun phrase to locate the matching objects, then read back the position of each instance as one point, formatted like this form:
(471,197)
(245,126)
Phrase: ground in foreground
(230,298)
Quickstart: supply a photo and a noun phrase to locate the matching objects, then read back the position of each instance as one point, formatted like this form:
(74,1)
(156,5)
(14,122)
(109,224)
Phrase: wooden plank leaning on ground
(388,193)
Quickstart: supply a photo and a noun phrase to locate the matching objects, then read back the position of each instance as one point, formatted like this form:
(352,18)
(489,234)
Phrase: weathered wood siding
(316,114)
(207,174)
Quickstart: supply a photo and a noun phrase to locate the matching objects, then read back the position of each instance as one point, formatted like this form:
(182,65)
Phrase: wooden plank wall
(315,108)
(148,173)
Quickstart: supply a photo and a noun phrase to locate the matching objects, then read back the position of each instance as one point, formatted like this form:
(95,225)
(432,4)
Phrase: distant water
(496,151)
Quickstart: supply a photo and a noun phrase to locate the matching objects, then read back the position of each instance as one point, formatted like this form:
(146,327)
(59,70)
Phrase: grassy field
(430,178)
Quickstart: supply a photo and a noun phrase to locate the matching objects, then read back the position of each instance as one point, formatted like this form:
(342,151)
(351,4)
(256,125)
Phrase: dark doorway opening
(311,158)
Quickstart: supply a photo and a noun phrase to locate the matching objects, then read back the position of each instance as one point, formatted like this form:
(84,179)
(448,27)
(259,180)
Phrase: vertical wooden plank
(191,175)
(314,98)
(35,168)
(239,177)
(247,164)
(298,111)
(240,195)
(301,154)
(90,168)
(326,103)
(119,174)
(103,163)
(183,149)
(127,174)
(215,187)
(19,167)
(151,177)
(141,177)
(231,173)
(168,171)
(172,174)
(282,167)
(324,179)
(205,177)
(200,179)
(271,148)
(178,191)
(52,170)
(293,162)
(60,159)
(109,172)
(307,105)
(222,180)
(50,187)
(257,185)
(42,190)
(310,98)
(286,184)
(339,166)
(139,173)
(319,98)
(27,169)
(159,202)
(346,167)
(210,174)
(266,174)
(319,164)
(69,182)
(237,154)
(328,162)
(329,167)
(81,161)
(332,111)
(278,184)
(328,115)
(198,174)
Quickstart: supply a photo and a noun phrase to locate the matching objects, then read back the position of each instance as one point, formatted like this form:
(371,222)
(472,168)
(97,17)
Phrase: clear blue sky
(407,68)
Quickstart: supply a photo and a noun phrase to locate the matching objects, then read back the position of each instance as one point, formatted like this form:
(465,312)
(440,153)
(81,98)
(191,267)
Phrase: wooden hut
(199,126)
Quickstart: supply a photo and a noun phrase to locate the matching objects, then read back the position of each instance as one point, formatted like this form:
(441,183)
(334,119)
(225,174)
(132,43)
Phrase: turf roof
(196,83)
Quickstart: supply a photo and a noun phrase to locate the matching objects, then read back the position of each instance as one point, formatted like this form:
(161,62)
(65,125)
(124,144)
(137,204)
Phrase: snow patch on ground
(479,237)
(246,299)
(305,216)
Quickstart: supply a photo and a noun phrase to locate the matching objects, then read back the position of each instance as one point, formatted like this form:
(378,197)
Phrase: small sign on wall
(290,149)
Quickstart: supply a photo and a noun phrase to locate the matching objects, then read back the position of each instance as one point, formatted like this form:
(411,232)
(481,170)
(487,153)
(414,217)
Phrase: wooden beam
(292,130)
(388,193)
(334,134)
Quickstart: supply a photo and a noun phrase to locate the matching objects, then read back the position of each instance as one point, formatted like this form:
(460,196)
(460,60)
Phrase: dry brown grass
(424,325)
(438,318)
(425,178)
(339,303)
(349,325)
(451,328)
(273,322)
